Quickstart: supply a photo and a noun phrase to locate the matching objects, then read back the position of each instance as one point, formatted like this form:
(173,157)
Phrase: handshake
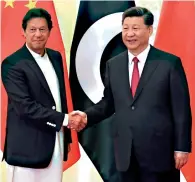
(77,120)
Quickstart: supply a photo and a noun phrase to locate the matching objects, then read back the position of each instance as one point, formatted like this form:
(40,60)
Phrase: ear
(23,33)
(150,30)
(49,33)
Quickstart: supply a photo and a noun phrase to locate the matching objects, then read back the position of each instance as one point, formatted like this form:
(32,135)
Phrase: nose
(130,33)
(38,33)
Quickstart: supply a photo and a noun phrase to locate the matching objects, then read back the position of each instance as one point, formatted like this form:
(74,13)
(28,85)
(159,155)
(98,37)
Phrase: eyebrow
(38,27)
(131,25)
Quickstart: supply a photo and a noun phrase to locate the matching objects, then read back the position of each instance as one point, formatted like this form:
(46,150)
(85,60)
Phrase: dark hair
(139,12)
(37,13)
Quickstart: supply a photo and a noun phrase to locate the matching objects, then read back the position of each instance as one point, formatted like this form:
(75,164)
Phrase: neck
(138,51)
(40,52)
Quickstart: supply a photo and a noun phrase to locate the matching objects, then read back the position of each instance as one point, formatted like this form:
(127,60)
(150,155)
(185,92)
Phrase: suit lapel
(36,69)
(123,69)
(149,68)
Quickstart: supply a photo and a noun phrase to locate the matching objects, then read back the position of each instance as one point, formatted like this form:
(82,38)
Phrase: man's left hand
(181,158)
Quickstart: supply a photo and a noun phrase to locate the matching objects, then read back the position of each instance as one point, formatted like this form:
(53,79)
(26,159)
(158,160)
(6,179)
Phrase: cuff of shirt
(65,122)
(181,151)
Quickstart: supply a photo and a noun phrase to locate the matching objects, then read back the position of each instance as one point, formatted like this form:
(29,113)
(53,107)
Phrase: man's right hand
(77,120)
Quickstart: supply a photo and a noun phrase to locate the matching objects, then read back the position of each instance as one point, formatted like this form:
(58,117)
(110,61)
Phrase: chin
(132,47)
(39,47)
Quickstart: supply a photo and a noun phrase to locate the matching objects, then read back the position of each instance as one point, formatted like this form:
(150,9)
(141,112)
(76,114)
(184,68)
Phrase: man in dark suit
(36,132)
(147,90)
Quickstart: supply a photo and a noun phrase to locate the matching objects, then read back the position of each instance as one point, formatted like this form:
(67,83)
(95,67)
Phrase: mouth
(133,41)
(37,41)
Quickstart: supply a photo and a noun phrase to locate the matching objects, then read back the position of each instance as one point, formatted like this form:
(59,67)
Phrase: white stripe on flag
(82,171)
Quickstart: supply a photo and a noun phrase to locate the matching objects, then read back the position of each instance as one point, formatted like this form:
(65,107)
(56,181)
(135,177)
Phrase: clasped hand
(77,120)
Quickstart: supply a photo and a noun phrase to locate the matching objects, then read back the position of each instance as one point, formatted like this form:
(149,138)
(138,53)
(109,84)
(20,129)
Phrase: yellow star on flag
(9,3)
(31,4)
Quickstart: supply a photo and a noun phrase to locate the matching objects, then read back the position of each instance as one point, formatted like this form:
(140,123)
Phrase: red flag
(12,12)
(176,34)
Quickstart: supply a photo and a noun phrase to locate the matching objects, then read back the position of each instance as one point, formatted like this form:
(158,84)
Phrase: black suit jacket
(157,121)
(32,121)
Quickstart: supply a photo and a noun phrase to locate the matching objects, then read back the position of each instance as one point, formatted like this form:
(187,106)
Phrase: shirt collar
(141,57)
(34,54)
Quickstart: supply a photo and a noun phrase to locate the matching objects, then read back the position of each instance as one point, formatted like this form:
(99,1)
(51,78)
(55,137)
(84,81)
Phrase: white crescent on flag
(89,53)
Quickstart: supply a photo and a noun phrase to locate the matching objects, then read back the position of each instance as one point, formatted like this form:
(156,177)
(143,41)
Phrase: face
(135,34)
(37,34)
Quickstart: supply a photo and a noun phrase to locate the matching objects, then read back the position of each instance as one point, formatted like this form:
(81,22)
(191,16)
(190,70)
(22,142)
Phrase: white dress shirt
(142,59)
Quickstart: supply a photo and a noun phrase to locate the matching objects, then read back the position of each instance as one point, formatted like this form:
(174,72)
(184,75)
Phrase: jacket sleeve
(105,107)
(24,105)
(180,102)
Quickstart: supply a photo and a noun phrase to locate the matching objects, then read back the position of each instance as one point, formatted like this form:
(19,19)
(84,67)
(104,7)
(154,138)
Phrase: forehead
(37,22)
(134,21)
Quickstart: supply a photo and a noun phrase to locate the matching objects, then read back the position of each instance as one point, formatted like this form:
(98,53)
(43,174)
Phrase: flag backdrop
(176,34)
(178,38)
(96,39)
(12,39)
